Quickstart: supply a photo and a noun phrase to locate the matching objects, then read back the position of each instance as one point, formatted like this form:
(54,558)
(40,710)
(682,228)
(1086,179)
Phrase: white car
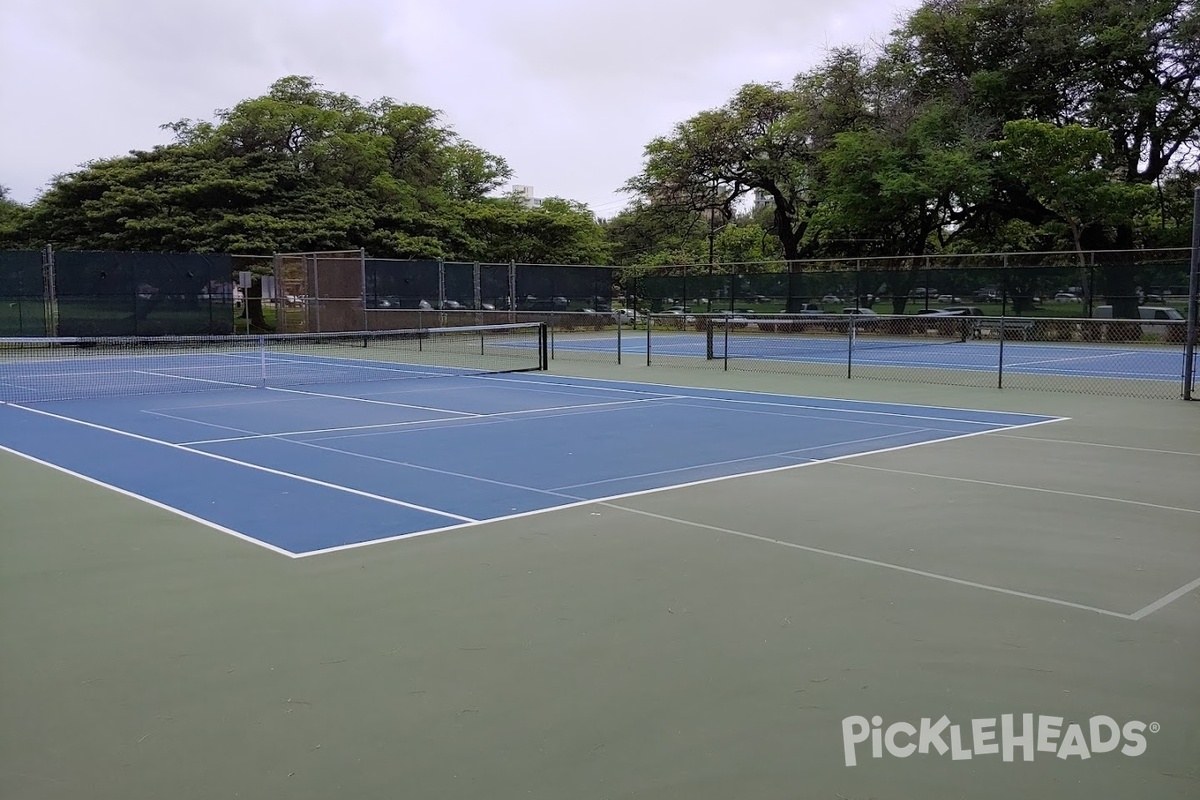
(1065,297)
(624,316)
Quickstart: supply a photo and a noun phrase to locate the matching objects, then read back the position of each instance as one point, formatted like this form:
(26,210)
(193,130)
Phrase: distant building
(524,195)
(761,200)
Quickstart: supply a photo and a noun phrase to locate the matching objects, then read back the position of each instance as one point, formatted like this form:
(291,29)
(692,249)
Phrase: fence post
(441,306)
(1189,360)
(512,291)
(315,301)
(477,289)
(50,291)
(362,257)
(1003,320)
(1090,289)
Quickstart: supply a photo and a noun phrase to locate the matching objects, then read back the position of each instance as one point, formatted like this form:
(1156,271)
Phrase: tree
(556,232)
(12,217)
(767,138)
(1063,169)
(302,168)
(1129,68)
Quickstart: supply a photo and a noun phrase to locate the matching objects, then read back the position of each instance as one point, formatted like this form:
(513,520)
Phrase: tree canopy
(303,168)
(909,147)
(977,125)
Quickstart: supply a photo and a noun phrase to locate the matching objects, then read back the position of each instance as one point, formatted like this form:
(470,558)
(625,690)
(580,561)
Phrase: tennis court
(424,563)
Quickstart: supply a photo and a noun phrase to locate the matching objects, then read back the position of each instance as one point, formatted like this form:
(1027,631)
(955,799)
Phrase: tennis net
(43,369)
(787,337)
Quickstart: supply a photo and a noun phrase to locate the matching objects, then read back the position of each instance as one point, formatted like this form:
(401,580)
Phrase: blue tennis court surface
(1143,362)
(305,471)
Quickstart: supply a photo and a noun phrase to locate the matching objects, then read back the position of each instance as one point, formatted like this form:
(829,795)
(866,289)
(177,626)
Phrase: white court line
(257,467)
(232,404)
(852,411)
(148,501)
(669,399)
(365,400)
(409,423)
(554,492)
(834,418)
(1153,450)
(1060,492)
(873,562)
(151,373)
(401,369)
(1166,600)
(754,393)
(1113,354)
(644,492)
(783,454)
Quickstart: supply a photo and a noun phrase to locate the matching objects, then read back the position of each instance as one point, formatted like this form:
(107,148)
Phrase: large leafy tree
(1063,169)
(302,168)
(11,217)
(1127,68)
(768,138)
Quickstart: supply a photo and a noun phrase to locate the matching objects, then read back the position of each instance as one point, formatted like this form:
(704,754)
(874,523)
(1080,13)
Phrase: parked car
(624,316)
(732,318)
(831,298)
(1170,321)
(1065,297)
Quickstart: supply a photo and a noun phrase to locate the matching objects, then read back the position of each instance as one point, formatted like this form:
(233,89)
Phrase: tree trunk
(254,307)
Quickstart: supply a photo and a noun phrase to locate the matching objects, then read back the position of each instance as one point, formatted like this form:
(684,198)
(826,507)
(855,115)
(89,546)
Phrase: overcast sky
(568,91)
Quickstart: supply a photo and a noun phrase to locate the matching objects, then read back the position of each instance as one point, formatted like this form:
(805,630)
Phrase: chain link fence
(1097,322)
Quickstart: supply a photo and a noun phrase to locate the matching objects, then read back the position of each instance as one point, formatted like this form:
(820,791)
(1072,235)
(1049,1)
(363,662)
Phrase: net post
(1189,352)
(649,325)
(619,321)
(544,337)
(849,348)
(726,354)
(262,361)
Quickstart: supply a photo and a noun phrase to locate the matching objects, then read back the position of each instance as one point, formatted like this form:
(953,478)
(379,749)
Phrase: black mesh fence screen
(494,287)
(458,285)
(396,284)
(563,288)
(143,294)
(22,294)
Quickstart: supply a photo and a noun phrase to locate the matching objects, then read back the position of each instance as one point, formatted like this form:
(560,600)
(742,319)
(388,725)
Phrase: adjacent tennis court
(1070,360)
(351,565)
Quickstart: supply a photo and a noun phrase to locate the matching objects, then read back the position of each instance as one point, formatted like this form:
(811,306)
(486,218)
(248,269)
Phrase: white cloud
(568,92)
